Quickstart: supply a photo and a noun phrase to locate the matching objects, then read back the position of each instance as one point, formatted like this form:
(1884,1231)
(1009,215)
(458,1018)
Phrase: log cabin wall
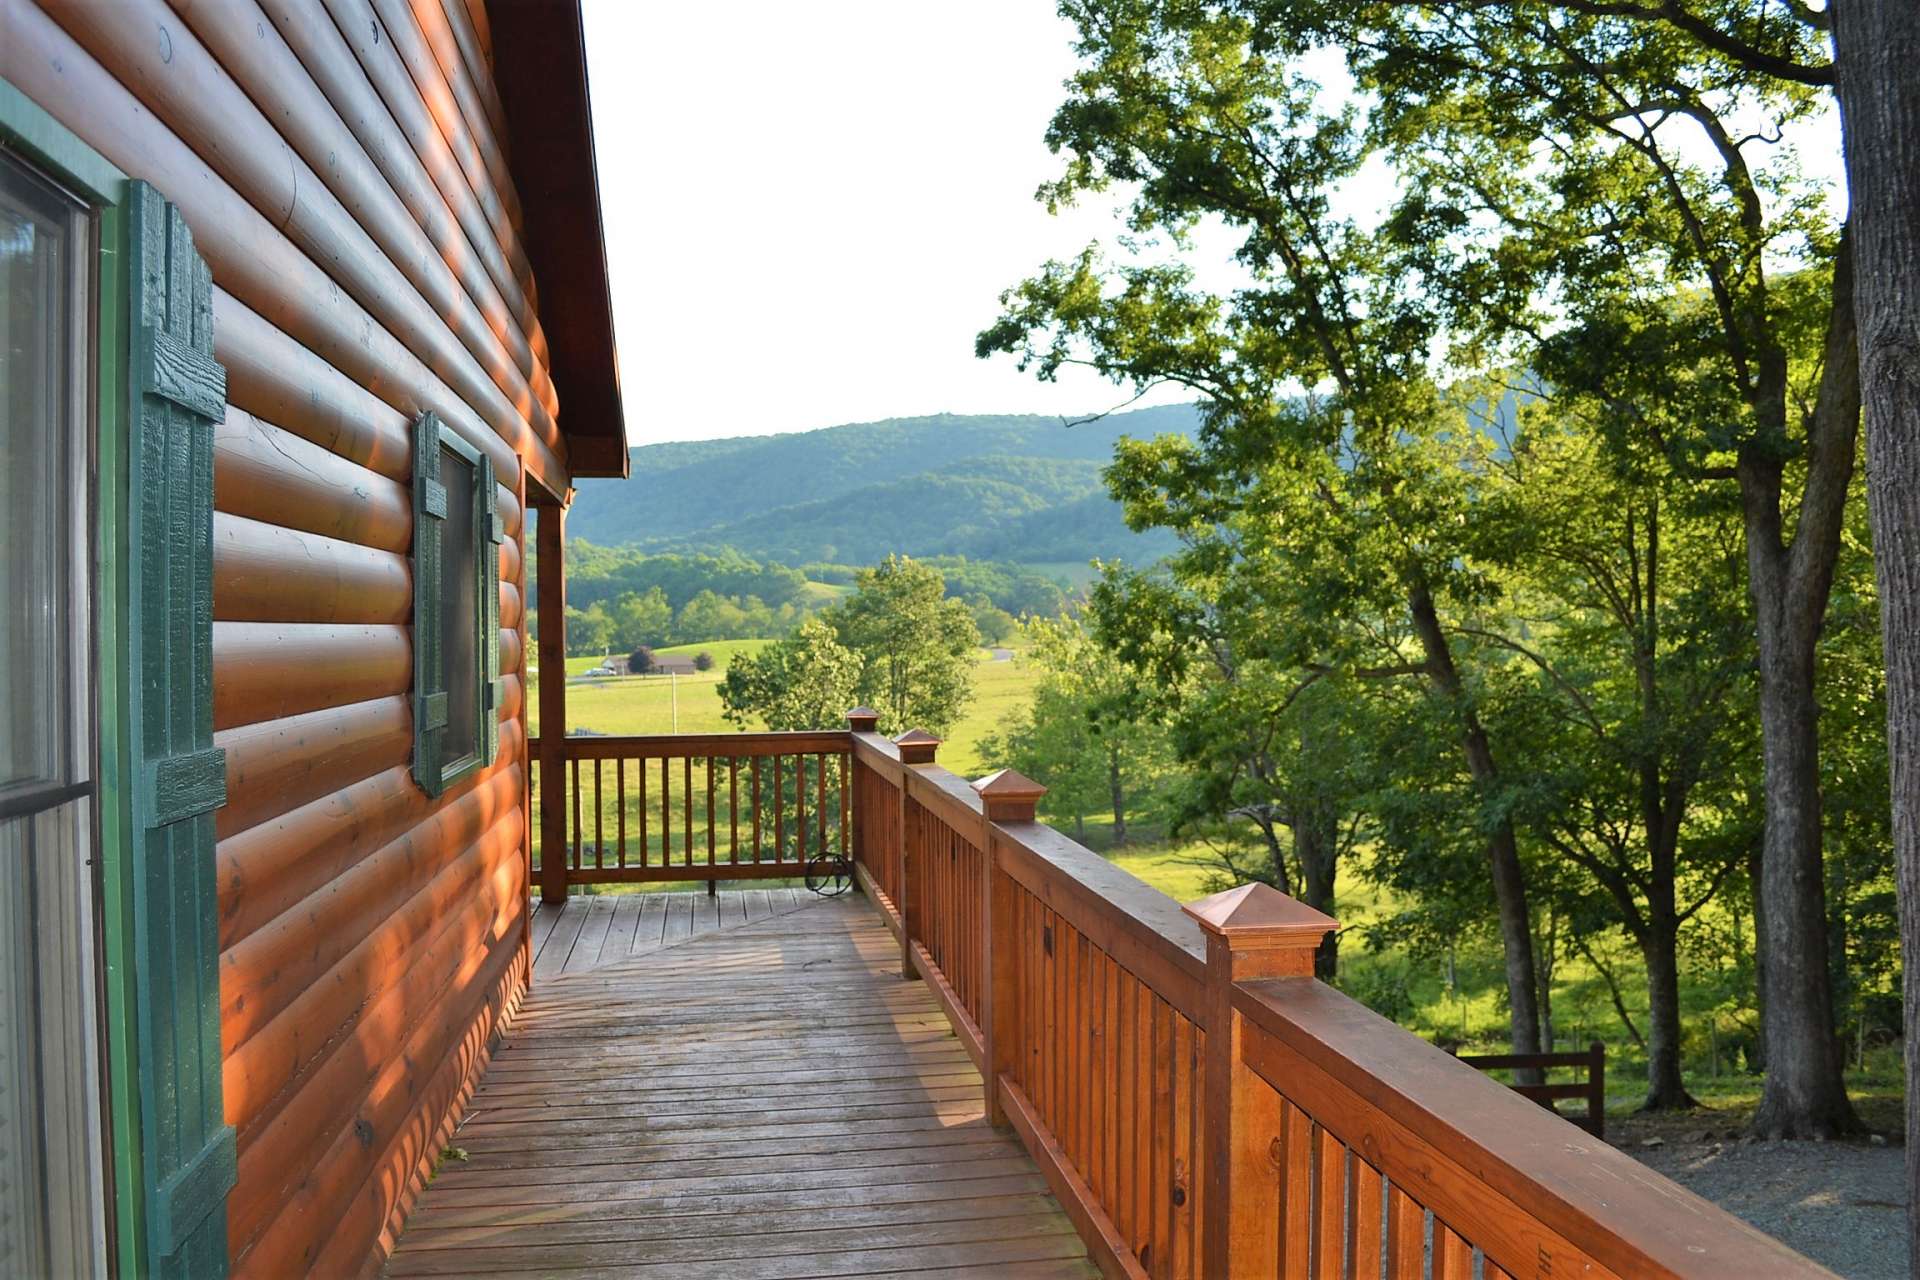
(341,166)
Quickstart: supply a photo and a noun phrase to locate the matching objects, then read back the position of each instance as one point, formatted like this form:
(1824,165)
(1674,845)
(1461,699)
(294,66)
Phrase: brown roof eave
(540,68)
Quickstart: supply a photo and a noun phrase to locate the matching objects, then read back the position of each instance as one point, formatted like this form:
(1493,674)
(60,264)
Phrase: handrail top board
(1112,906)
(673,746)
(1629,1218)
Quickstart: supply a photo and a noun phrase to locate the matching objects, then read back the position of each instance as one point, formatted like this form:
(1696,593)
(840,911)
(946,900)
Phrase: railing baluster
(686,807)
(641,773)
(733,809)
(712,824)
(599,811)
(666,811)
(620,799)
(758,795)
(779,815)
(574,764)
(800,809)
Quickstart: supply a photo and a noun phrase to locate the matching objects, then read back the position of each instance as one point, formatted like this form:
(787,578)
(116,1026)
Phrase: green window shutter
(493,533)
(429,666)
(177,394)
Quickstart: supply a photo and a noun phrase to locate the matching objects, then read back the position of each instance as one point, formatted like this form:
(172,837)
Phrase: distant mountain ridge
(986,486)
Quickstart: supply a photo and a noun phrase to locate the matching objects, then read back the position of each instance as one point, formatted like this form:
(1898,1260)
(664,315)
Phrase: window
(456,607)
(51,1215)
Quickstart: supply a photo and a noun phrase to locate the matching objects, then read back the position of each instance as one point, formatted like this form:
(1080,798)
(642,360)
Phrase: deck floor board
(736,1087)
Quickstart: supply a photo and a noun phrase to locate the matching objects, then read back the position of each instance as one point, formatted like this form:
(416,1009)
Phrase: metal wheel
(829,876)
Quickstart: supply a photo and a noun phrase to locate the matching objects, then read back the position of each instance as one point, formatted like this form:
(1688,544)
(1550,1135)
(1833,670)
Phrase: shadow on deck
(735,1087)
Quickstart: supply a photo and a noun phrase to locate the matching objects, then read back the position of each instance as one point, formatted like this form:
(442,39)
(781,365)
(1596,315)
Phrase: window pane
(38,427)
(459,612)
(51,1219)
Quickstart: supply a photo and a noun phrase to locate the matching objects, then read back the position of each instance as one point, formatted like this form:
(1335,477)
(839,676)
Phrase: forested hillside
(990,487)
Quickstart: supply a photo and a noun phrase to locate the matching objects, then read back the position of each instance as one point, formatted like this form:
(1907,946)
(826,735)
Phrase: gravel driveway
(1840,1203)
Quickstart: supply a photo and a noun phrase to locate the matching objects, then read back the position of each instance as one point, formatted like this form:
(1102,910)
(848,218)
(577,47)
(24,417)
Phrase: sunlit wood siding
(341,167)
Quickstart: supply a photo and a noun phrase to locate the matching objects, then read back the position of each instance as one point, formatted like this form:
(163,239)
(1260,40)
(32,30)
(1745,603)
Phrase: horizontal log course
(272,376)
(462,122)
(395,128)
(272,670)
(266,573)
(260,265)
(469,58)
(482,29)
(433,128)
(279,765)
(386,1119)
(274,865)
(189,90)
(372,1218)
(294,987)
(510,562)
(278,964)
(445,269)
(271,475)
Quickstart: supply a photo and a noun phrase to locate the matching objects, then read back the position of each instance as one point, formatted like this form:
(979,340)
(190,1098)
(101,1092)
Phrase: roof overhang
(540,67)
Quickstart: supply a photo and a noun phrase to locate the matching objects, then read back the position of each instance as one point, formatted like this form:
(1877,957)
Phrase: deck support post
(553,704)
(1007,798)
(917,746)
(1252,932)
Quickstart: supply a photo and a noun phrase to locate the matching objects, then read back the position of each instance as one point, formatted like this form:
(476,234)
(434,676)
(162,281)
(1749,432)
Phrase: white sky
(812,208)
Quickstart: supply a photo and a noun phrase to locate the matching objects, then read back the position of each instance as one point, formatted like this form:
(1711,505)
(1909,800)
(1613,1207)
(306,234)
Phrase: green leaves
(898,644)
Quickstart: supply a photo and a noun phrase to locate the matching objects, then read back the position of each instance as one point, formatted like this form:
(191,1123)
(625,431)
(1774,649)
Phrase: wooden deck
(731,1088)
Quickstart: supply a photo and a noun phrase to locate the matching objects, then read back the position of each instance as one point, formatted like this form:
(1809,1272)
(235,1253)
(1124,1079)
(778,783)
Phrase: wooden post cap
(916,746)
(1010,795)
(1258,917)
(863,719)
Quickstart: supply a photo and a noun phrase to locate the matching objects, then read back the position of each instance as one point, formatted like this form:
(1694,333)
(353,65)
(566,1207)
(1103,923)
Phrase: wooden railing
(1592,1091)
(724,806)
(1200,1104)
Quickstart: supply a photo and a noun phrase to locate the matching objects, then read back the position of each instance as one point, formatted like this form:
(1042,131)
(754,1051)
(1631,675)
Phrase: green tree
(588,630)
(916,646)
(641,618)
(1180,103)
(1659,181)
(806,681)
(709,616)
(1084,735)
(1627,614)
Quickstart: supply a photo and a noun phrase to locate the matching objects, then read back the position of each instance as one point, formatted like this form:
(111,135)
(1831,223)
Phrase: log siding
(341,164)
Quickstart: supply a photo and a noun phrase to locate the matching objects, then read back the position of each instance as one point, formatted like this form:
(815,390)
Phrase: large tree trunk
(1503,848)
(1666,1088)
(1316,841)
(1757,1058)
(1877,44)
(1805,1094)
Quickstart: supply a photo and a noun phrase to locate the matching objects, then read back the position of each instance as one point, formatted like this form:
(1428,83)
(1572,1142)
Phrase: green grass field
(647,704)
